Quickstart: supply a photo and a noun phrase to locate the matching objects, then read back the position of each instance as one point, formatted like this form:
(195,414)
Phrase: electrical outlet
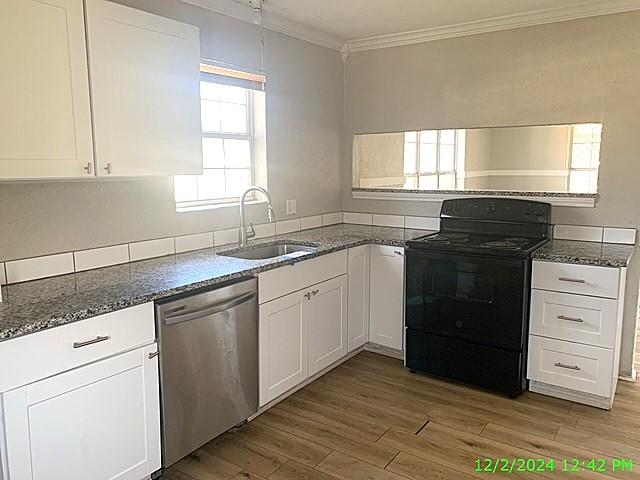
(291,207)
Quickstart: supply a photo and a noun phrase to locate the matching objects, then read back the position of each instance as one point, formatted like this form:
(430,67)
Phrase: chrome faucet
(244,235)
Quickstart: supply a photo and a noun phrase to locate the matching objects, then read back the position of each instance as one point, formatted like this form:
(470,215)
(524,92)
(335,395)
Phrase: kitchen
(106,220)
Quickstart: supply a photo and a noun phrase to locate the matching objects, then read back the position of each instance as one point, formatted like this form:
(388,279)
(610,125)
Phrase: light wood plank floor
(370,419)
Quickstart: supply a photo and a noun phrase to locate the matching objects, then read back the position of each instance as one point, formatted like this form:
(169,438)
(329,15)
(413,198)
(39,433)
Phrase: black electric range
(468,288)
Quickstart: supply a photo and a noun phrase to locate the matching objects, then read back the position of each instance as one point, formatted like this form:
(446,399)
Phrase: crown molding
(272,22)
(494,24)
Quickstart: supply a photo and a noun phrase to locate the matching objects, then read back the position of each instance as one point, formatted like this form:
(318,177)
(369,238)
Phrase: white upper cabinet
(145,80)
(45,120)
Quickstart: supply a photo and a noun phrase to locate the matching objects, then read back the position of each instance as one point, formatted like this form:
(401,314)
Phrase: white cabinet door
(358,295)
(45,120)
(387,296)
(284,360)
(145,89)
(101,421)
(325,313)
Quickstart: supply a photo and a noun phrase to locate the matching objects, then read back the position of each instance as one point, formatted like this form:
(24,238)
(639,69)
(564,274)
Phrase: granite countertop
(40,304)
(585,253)
(501,193)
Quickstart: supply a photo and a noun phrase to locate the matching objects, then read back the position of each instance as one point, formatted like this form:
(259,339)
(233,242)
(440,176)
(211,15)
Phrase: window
(228,101)
(430,159)
(585,158)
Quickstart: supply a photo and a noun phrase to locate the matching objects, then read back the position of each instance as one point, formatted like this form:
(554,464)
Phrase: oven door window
(473,298)
(463,286)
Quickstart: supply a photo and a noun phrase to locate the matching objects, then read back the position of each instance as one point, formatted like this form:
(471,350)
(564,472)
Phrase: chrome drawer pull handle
(153,354)
(572,280)
(570,319)
(570,367)
(307,296)
(315,292)
(98,339)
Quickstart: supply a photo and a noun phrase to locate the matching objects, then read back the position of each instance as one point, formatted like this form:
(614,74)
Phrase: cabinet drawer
(583,368)
(576,318)
(580,279)
(49,352)
(284,280)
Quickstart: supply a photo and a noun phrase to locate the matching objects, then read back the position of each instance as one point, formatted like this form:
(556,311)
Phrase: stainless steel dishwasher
(208,365)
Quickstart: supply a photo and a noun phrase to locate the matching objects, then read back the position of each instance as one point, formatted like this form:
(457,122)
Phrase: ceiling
(354,25)
(357,19)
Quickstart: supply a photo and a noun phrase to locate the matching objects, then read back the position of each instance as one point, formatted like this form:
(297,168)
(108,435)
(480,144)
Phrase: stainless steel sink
(270,251)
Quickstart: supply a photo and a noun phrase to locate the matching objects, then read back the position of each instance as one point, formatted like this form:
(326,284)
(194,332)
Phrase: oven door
(480,299)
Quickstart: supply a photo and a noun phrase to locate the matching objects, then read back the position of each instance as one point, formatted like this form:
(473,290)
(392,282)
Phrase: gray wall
(304,117)
(579,71)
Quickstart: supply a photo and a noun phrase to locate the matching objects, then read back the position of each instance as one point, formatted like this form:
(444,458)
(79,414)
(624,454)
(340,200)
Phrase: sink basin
(270,251)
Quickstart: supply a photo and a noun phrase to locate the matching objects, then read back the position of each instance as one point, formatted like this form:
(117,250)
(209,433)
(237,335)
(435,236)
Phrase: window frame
(437,172)
(250,136)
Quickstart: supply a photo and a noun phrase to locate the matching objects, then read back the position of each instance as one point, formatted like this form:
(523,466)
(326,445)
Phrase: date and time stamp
(544,465)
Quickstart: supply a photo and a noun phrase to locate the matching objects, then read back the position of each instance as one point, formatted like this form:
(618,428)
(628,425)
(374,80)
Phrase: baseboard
(632,378)
(382,350)
(571,395)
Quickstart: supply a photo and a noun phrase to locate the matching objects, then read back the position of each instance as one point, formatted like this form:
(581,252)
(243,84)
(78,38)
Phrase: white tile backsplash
(331,218)
(3,275)
(225,237)
(197,241)
(388,220)
(265,230)
(151,248)
(620,235)
(311,222)
(101,257)
(576,232)
(358,218)
(422,223)
(39,267)
(288,226)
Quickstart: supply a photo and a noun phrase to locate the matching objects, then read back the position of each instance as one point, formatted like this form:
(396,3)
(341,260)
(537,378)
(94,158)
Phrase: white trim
(439,197)
(493,24)
(514,173)
(272,22)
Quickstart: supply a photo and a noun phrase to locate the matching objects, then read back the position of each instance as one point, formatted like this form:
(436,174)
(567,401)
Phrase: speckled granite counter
(585,253)
(40,304)
(473,193)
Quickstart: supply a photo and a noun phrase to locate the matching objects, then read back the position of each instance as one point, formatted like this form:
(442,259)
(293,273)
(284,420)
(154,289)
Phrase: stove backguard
(508,216)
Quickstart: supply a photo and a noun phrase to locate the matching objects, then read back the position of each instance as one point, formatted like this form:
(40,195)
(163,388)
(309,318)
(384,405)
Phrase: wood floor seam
(369,419)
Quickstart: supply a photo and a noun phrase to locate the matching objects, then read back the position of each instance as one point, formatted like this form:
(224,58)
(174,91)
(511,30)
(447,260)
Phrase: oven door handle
(464,299)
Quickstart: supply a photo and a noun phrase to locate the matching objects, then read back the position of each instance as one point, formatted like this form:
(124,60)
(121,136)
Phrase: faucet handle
(251,232)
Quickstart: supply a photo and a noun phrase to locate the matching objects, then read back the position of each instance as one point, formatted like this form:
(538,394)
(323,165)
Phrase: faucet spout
(244,236)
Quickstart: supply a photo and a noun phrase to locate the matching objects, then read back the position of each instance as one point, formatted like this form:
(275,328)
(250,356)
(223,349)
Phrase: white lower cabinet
(358,293)
(325,312)
(575,331)
(387,296)
(100,421)
(300,334)
(284,361)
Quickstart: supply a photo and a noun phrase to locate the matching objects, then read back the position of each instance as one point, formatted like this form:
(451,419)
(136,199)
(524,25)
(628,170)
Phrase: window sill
(217,206)
(555,199)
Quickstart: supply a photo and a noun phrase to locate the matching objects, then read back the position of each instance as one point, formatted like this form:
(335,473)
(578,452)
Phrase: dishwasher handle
(209,309)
